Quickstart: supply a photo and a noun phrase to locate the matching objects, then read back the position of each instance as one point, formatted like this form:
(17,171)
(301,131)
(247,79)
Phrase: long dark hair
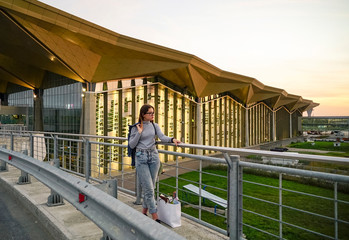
(143,111)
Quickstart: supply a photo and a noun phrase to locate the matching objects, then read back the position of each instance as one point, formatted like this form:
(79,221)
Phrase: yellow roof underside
(36,38)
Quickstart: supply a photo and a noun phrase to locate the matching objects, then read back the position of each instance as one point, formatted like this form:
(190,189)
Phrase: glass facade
(325,123)
(62,108)
(19,99)
(62,104)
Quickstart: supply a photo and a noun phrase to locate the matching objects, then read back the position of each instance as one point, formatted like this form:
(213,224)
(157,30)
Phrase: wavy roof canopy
(36,38)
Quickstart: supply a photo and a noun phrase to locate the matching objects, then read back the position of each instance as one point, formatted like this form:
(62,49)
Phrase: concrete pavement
(65,222)
(16,222)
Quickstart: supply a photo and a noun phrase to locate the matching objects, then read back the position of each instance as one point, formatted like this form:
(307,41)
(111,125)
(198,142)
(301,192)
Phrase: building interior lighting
(35,92)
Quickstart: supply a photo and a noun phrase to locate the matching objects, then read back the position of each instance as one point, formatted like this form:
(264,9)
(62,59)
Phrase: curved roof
(36,38)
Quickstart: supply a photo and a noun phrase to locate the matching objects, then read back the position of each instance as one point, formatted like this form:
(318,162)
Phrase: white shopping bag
(169,213)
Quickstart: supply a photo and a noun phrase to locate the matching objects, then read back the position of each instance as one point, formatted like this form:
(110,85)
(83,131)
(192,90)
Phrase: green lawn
(306,203)
(340,151)
(330,154)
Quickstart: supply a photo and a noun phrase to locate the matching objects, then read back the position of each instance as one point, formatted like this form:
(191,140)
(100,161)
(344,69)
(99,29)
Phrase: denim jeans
(147,165)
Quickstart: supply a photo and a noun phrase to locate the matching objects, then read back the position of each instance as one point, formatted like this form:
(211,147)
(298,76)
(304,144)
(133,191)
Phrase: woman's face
(149,115)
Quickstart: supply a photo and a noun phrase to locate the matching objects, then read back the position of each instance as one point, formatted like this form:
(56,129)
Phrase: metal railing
(13,127)
(101,158)
(118,221)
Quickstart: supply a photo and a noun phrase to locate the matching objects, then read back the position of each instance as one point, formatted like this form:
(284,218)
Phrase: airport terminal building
(61,73)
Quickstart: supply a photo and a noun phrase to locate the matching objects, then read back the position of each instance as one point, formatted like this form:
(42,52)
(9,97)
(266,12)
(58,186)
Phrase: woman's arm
(163,137)
(134,138)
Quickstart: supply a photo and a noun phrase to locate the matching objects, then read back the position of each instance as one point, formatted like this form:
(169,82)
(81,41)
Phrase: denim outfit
(147,160)
(147,165)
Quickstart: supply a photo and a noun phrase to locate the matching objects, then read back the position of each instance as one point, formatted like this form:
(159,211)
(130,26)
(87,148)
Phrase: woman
(147,157)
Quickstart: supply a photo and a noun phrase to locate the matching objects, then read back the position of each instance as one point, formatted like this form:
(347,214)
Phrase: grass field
(306,203)
(340,151)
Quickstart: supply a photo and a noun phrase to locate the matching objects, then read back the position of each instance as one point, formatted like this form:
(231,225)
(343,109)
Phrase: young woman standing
(147,157)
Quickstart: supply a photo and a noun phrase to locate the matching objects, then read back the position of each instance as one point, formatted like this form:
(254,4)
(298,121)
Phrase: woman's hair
(143,111)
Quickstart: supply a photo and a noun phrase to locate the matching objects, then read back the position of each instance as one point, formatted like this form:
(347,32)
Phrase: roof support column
(83,109)
(89,110)
(209,124)
(290,125)
(4,99)
(183,122)
(198,125)
(247,131)
(273,125)
(38,107)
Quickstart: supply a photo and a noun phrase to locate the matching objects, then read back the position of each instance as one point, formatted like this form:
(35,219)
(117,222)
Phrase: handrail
(118,220)
(67,134)
(238,151)
(244,151)
(300,172)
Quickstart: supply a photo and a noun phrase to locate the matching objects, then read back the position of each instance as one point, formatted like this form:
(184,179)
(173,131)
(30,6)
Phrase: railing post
(12,142)
(78,158)
(177,176)
(110,161)
(240,201)
(64,165)
(110,187)
(157,186)
(3,164)
(122,170)
(31,142)
(55,152)
(233,220)
(55,199)
(280,205)
(25,177)
(335,211)
(200,186)
(87,154)
(70,149)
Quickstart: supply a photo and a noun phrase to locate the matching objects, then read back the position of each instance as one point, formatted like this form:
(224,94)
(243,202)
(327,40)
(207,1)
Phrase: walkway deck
(65,222)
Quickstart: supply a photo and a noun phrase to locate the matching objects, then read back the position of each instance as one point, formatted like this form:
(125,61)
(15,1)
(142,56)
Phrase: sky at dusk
(301,46)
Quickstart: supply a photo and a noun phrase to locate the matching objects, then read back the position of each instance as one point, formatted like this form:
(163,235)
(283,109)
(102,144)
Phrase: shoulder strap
(154,129)
(133,125)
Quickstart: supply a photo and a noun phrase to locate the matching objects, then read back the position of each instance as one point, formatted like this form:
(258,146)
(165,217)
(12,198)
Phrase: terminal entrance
(333,126)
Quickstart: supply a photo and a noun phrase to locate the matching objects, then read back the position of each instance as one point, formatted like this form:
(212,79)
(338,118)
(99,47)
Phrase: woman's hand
(140,127)
(176,141)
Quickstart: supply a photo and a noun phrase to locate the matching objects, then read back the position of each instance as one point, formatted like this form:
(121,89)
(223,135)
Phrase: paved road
(17,223)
